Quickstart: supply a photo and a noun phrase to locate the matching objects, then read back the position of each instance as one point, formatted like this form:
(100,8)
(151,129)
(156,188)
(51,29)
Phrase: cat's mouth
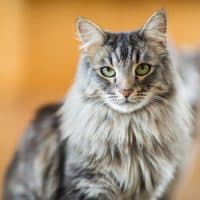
(126,105)
(131,101)
(127,102)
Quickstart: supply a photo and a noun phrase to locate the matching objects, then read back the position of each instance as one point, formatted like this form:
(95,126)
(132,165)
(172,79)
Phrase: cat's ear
(155,28)
(91,36)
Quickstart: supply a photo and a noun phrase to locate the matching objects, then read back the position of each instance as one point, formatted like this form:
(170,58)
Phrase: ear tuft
(156,26)
(90,35)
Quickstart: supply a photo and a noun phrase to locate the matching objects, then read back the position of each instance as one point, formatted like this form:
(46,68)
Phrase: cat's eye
(108,71)
(143,69)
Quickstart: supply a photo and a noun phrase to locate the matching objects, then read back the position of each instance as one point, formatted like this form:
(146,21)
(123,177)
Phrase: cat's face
(128,70)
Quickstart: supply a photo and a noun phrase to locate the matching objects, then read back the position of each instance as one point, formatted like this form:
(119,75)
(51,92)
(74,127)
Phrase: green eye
(143,69)
(107,71)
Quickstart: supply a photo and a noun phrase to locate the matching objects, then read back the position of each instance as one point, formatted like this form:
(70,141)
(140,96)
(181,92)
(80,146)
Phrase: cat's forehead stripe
(115,58)
(137,56)
(110,59)
(118,52)
(123,44)
(123,47)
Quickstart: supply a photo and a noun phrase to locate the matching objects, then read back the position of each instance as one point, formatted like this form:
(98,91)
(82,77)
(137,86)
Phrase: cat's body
(92,148)
(131,156)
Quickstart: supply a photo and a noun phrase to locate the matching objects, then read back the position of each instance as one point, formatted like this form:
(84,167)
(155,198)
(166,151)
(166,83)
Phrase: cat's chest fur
(130,155)
(138,175)
(137,172)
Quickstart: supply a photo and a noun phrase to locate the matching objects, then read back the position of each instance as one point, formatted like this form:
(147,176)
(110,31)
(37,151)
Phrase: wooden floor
(39,53)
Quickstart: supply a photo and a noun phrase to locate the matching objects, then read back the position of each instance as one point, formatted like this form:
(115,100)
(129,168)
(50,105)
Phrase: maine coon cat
(123,131)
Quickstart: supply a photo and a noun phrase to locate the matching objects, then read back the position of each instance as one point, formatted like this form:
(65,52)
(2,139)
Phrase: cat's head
(127,70)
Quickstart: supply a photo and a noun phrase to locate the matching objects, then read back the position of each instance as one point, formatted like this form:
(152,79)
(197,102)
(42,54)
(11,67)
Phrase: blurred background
(39,54)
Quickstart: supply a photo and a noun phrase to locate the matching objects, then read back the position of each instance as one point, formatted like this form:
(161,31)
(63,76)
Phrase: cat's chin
(125,107)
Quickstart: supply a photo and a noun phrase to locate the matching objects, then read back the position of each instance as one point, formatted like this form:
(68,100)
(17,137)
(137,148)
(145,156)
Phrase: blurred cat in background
(125,128)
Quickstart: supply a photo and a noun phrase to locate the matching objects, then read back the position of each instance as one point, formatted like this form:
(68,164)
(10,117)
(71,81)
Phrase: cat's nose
(126,92)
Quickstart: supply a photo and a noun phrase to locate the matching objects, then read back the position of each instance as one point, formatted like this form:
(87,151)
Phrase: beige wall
(39,53)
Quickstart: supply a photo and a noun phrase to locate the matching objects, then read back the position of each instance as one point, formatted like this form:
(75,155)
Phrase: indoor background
(39,53)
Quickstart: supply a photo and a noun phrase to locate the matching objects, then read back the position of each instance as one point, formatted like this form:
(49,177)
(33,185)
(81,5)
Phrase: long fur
(137,153)
(96,147)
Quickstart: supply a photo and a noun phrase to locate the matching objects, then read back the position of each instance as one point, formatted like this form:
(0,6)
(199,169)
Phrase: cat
(124,130)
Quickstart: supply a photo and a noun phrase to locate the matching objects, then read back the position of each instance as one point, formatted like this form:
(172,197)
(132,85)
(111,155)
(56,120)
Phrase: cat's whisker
(92,96)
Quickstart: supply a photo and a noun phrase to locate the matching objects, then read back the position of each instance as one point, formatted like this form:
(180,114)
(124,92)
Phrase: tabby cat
(123,131)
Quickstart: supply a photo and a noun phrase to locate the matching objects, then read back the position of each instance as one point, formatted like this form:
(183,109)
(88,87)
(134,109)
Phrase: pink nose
(127,92)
